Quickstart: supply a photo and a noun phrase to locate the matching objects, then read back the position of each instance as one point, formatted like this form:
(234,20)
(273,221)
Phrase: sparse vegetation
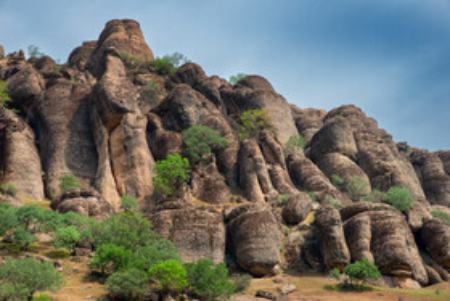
(357,188)
(8,189)
(241,281)
(295,143)
(375,196)
(441,215)
(333,202)
(68,183)
(34,52)
(400,198)
(253,122)
(283,198)
(171,174)
(337,181)
(168,64)
(235,78)
(5,98)
(201,141)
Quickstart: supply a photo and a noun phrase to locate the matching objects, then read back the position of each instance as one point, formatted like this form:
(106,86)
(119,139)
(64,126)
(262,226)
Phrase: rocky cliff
(257,203)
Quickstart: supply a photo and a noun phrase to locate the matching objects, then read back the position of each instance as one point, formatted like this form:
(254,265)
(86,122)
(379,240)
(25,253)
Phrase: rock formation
(108,114)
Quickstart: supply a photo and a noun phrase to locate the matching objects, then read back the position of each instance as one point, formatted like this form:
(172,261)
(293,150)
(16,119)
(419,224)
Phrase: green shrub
(333,202)
(68,183)
(283,199)
(357,188)
(171,275)
(42,297)
(441,215)
(362,271)
(128,285)
(337,181)
(201,141)
(8,219)
(5,98)
(168,64)
(131,61)
(23,237)
(153,87)
(110,258)
(128,229)
(32,217)
(30,274)
(209,281)
(13,292)
(235,78)
(241,281)
(253,122)
(295,142)
(129,203)
(9,189)
(375,196)
(83,223)
(155,252)
(400,198)
(312,195)
(67,237)
(171,174)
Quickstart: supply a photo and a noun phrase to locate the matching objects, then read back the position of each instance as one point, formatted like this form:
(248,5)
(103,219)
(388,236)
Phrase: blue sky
(389,57)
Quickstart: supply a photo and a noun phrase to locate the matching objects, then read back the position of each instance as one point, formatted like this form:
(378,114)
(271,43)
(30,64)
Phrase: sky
(389,57)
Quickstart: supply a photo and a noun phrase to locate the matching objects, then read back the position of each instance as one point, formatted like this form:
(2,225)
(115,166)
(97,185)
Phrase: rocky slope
(95,117)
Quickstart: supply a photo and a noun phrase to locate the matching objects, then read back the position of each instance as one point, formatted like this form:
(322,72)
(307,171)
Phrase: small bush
(8,219)
(333,202)
(170,274)
(131,61)
(201,141)
(209,281)
(32,217)
(375,196)
(129,203)
(356,274)
(155,252)
(9,189)
(110,258)
(30,274)
(241,281)
(128,229)
(171,174)
(312,195)
(295,142)
(235,78)
(441,215)
(23,237)
(67,237)
(128,285)
(400,198)
(68,183)
(253,122)
(13,292)
(42,297)
(34,52)
(5,98)
(168,64)
(337,181)
(357,188)
(283,198)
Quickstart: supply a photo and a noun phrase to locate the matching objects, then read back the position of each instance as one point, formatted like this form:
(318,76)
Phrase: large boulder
(126,37)
(79,57)
(255,238)
(197,233)
(308,121)
(20,163)
(86,202)
(296,208)
(208,184)
(435,236)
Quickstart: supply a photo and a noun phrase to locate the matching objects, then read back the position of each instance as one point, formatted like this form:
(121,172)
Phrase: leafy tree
(209,281)
(235,78)
(400,198)
(128,229)
(5,98)
(30,274)
(168,64)
(67,237)
(32,217)
(155,252)
(294,143)
(362,271)
(171,275)
(129,203)
(34,52)
(110,258)
(68,183)
(128,285)
(8,188)
(253,122)
(201,140)
(441,215)
(171,173)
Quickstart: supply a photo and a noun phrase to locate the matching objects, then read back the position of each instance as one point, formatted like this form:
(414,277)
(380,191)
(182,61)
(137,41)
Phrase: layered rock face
(261,202)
